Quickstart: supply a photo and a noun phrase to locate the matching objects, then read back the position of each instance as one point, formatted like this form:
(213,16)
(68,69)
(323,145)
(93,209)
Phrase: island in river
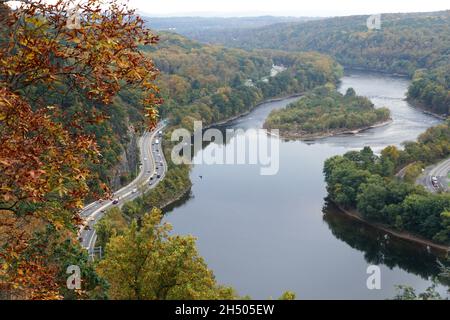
(325,112)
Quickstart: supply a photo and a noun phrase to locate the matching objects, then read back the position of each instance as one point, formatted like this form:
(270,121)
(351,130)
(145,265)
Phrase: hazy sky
(284,7)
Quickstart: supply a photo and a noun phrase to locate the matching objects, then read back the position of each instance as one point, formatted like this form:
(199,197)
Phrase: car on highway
(435,181)
(135,190)
(115,201)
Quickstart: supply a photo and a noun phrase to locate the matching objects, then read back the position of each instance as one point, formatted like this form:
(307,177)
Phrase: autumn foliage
(97,54)
(45,155)
(148,263)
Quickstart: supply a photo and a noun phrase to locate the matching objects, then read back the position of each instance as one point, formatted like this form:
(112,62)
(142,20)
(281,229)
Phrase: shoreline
(365,69)
(420,106)
(171,202)
(289,135)
(246,113)
(413,102)
(403,235)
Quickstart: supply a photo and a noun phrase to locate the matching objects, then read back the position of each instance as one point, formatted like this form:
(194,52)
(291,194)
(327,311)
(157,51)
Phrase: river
(264,235)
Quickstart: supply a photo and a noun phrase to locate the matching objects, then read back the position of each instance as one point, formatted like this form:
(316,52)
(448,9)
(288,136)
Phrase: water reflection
(377,249)
(185,198)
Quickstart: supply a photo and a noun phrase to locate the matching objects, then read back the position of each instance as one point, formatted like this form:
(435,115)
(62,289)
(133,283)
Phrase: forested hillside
(431,89)
(324,112)
(212,83)
(405,44)
(195,27)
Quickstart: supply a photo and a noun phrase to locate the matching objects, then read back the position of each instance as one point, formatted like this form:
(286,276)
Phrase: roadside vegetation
(364,181)
(155,265)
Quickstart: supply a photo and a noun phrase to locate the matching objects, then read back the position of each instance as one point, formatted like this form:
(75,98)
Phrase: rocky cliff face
(128,166)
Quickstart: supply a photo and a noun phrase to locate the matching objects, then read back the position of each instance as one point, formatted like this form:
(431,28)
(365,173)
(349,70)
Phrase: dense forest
(406,43)
(364,181)
(323,112)
(431,89)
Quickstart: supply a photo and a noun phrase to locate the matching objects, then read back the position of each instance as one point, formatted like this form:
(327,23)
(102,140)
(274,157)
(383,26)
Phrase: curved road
(153,169)
(440,171)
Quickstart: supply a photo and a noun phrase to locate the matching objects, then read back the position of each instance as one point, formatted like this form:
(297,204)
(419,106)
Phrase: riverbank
(383,72)
(244,114)
(440,249)
(171,202)
(293,135)
(420,106)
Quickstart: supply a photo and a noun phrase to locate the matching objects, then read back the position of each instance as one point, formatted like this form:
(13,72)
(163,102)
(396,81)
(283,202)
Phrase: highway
(440,171)
(152,170)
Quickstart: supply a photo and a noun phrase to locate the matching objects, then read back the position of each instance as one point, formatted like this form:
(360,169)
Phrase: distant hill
(406,43)
(199,27)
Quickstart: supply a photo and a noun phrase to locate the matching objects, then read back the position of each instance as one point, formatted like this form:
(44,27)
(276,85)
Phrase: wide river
(264,235)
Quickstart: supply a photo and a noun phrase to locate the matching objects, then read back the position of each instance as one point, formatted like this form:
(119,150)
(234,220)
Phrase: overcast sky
(283,7)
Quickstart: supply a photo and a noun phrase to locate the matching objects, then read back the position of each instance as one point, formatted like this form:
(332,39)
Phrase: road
(152,170)
(440,171)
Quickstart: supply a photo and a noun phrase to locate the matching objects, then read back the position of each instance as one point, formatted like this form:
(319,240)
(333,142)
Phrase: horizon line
(211,14)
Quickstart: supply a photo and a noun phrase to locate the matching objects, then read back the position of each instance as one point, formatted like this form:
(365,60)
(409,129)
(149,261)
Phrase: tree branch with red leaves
(44,163)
